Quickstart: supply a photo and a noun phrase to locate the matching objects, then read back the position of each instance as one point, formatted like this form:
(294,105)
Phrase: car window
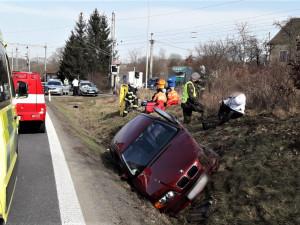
(144,149)
(54,83)
(5,95)
(87,84)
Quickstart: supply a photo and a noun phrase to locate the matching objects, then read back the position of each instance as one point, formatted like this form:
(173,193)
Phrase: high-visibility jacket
(185,94)
(160,96)
(173,98)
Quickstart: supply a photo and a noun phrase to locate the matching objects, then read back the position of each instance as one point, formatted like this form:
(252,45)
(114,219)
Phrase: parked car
(55,87)
(45,88)
(88,88)
(66,89)
(162,161)
(31,106)
(152,82)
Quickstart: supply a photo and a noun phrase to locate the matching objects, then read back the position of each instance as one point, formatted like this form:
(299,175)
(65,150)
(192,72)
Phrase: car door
(8,136)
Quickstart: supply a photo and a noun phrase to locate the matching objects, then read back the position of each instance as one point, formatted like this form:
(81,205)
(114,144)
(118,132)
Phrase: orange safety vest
(173,98)
(160,96)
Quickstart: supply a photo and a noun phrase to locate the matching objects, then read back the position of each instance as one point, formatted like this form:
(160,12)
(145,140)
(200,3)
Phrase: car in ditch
(88,88)
(162,161)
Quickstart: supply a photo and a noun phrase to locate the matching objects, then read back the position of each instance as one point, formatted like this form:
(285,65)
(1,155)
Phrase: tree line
(88,49)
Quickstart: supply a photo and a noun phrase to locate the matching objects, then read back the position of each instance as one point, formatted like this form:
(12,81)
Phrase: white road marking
(70,210)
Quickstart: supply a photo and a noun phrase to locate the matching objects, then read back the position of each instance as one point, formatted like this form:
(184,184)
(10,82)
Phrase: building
(285,45)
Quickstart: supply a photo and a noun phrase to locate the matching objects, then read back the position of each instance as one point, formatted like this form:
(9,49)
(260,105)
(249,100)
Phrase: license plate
(198,187)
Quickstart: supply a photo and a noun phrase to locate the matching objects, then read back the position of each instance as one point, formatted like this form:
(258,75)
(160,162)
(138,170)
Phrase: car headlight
(169,196)
(83,90)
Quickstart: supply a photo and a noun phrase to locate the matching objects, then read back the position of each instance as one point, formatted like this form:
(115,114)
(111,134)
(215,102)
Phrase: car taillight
(42,111)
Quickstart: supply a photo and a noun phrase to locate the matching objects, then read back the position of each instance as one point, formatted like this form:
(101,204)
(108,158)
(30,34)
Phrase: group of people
(75,84)
(165,95)
(231,108)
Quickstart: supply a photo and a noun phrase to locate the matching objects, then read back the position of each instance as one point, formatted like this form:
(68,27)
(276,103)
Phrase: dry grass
(258,179)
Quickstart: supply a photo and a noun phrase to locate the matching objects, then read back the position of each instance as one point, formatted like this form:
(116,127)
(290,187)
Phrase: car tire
(42,127)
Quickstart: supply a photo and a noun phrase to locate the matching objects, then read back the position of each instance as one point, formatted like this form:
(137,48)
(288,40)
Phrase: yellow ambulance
(8,134)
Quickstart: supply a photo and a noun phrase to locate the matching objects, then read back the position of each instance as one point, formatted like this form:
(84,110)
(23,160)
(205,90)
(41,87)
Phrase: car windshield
(144,149)
(54,83)
(87,84)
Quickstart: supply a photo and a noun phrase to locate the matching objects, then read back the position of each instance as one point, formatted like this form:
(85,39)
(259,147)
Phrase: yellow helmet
(161,83)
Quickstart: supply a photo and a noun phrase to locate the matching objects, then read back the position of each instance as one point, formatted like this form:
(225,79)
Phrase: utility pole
(151,56)
(17,59)
(28,59)
(113,75)
(45,62)
(147,53)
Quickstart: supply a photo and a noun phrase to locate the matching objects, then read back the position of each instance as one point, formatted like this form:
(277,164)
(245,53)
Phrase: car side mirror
(22,90)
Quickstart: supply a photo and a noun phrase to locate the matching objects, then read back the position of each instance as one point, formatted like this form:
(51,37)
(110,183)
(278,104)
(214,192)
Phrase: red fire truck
(30,106)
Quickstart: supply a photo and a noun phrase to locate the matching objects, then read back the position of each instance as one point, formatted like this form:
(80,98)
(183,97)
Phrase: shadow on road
(29,128)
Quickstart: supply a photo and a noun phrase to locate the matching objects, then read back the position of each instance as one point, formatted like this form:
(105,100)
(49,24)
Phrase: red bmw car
(162,161)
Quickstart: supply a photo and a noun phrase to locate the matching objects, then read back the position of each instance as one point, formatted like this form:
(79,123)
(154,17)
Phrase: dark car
(152,82)
(162,161)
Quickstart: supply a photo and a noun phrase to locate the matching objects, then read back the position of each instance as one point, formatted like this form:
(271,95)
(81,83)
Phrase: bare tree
(175,60)
(134,56)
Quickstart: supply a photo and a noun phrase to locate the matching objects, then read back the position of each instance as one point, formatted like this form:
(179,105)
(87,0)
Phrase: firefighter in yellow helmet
(160,85)
(189,101)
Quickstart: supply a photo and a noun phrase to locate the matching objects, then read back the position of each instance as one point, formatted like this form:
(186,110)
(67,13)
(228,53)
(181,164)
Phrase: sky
(177,25)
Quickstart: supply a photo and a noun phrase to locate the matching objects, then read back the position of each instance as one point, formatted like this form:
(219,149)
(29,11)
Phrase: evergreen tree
(68,66)
(82,53)
(98,43)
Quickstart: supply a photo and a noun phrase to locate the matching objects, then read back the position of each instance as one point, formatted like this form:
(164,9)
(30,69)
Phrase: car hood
(165,171)
(89,88)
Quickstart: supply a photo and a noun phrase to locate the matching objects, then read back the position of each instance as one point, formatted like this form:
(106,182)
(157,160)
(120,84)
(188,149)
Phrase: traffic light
(137,75)
(114,69)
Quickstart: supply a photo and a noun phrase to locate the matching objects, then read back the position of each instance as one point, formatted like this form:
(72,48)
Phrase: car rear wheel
(42,127)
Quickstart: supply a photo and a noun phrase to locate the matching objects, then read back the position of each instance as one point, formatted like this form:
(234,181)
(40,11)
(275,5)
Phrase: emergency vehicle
(30,107)
(8,135)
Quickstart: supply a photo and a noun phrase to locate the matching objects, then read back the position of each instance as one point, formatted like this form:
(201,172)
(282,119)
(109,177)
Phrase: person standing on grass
(189,101)
(75,83)
(231,108)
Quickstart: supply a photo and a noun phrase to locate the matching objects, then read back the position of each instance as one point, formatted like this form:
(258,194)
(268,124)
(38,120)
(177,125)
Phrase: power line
(218,23)
(182,11)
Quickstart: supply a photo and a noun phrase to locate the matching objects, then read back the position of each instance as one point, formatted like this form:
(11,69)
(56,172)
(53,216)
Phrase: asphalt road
(35,200)
(59,183)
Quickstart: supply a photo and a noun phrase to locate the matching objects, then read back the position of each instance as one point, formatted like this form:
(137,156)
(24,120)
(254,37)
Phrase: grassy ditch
(258,178)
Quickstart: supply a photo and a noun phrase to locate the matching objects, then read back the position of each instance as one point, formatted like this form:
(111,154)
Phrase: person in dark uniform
(131,99)
(189,101)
